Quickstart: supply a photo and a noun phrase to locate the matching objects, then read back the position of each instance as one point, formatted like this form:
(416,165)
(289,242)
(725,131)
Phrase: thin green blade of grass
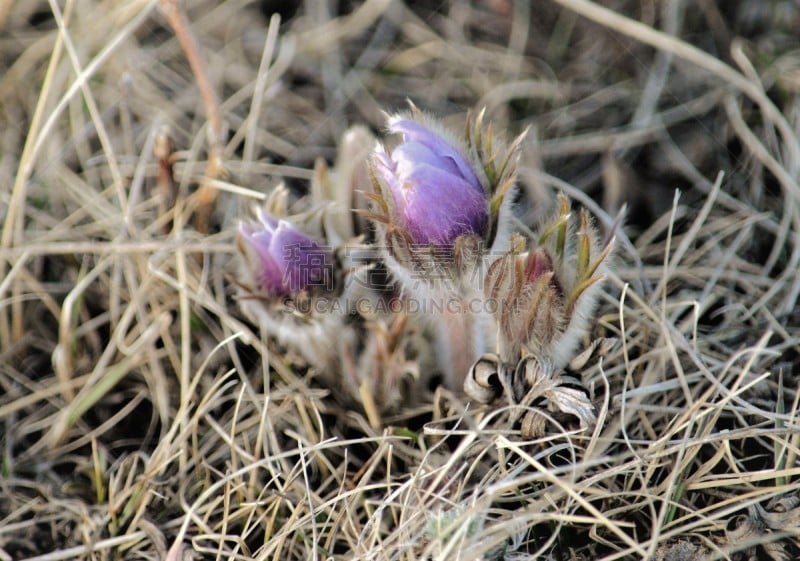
(85,402)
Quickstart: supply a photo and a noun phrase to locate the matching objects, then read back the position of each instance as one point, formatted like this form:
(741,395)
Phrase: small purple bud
(437,196)
(284,261)
(536,264)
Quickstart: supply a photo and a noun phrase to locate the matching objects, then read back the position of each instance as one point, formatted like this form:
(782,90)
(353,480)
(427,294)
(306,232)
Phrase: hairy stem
(456,343)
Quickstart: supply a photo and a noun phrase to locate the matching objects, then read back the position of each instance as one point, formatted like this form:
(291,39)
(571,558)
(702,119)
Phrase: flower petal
(414,131)
(411,154)
(267,271)
(283,260)
(304,261)
(441,206)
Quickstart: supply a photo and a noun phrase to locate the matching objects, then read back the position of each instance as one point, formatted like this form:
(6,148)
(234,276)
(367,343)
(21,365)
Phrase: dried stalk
(207,195)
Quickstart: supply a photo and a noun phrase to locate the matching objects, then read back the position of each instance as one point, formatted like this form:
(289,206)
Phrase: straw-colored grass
(142,417)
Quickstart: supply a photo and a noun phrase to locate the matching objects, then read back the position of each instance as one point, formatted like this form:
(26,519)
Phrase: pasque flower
(284,261)
(310,296)
(528,299)
(545,297)
(441,202)
(433,194)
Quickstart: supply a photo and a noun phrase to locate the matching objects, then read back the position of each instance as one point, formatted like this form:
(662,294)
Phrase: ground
(143,416)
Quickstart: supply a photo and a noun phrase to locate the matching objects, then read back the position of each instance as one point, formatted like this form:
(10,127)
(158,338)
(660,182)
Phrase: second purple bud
(284,262)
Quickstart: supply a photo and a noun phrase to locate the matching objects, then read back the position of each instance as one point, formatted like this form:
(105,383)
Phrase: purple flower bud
(283,260)
(436,195)
(536,264)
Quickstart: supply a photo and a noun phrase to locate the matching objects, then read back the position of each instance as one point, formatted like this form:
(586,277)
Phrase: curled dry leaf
(553,389)
(753,535)
(483,381)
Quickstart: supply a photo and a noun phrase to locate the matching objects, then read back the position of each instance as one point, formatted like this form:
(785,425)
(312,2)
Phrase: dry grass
(143,418)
